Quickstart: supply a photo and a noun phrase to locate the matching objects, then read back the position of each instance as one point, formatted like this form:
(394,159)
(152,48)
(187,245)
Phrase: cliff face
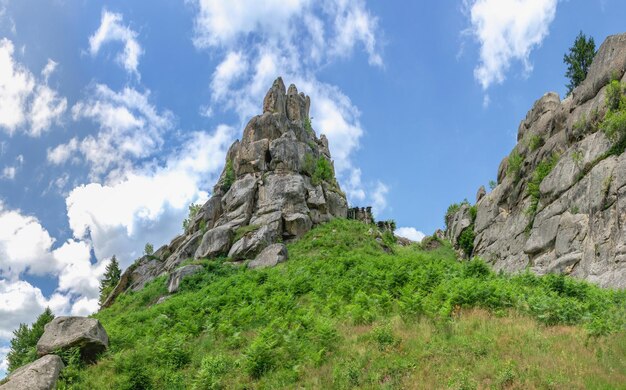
(278,182)
(560,202)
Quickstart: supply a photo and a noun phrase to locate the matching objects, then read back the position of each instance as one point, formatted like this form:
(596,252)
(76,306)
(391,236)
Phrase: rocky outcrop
(179,274)
(278,182)
(67,332)
(270,256)
(42,374)
(574,222)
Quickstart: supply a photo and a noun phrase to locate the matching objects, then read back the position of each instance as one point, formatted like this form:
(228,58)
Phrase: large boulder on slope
(42,374)
(67,332)
(270,256)
(181,273)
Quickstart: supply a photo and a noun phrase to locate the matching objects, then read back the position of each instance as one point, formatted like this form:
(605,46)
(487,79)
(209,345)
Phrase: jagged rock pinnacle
(278,182)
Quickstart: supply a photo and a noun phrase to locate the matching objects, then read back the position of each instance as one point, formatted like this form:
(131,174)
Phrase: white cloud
(26,103)
(49,69)
(411,233)
(150,204)
(85,306)
(8,173)
(20,302)
(130,128)
(263,40)
(379,198)
(24,245)
(507,30)
(112,30)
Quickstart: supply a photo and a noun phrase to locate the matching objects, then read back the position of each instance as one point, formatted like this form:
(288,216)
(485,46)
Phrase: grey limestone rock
(270,256)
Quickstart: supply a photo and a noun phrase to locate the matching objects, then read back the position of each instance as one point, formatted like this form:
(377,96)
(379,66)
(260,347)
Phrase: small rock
(66,332)
(270,256)
(42,374)
(481,193)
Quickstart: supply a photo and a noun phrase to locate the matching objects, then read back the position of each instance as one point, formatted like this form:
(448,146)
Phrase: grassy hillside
(343,313)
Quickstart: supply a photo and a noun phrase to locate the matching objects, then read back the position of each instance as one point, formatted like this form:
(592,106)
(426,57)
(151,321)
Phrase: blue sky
(114,116)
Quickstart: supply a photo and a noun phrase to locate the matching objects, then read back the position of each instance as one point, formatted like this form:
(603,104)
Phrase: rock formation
(67,332)
(572,220)
(278,182)
(42,374)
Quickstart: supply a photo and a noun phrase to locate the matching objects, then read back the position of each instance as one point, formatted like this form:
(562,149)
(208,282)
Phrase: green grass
(342,313)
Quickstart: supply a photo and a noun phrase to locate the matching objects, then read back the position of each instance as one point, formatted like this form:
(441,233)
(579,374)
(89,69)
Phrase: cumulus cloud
(411,233)
(379,198)
(260,41)
(130,128)
(112,30)
(26,103)
(507,30)
(149,204)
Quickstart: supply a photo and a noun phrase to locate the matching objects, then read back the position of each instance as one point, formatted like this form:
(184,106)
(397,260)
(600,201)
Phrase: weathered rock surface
(270,256)
(579,227)
(66,332)
(267,190)
(181,273)
(42,374)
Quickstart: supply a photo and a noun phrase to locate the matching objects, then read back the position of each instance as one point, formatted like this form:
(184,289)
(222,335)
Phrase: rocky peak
(278,182)
(559,203)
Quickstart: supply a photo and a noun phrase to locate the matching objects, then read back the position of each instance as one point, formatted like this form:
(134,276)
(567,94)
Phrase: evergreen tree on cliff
(111,277)
(579,60)
(24,343)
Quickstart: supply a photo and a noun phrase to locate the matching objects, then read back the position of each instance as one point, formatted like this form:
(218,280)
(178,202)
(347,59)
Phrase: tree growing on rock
(579,60)
(24,343)
(111,277)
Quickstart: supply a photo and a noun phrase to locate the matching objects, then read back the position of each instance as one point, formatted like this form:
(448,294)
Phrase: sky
(116,115)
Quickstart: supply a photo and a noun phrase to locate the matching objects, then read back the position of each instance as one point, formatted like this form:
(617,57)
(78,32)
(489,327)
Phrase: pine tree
(24,343)
(579,60)
(111,277)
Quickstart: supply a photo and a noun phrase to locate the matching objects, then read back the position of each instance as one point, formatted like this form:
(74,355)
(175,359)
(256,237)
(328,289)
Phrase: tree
(579,60)
(148,250)
(112,275)
(24,343)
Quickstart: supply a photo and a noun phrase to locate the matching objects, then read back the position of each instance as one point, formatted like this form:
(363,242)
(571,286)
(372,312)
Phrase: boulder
(252,244)
(215,242)
(42,374)
(179,274)
(66,332)
(481,193)
(270,256)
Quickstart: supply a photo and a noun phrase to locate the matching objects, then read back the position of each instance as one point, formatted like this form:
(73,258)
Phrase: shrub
(383,336)
(535,142)
(260,357)
(466,240)
(229,176)
(514,168)
(323,171)
(193,211)
(308,126)
(492,184)
(148,250)
(212,369)
(615,96)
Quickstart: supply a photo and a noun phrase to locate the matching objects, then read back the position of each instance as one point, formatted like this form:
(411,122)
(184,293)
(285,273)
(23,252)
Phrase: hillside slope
(344,312)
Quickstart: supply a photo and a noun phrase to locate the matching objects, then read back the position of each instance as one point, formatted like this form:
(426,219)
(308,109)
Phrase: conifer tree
(24,343)
(579,60)
(111,277)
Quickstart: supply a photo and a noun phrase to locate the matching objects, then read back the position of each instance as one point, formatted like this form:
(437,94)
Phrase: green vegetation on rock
(343,313)
(541,171)
(514,168)
(194,208)
(229,176)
